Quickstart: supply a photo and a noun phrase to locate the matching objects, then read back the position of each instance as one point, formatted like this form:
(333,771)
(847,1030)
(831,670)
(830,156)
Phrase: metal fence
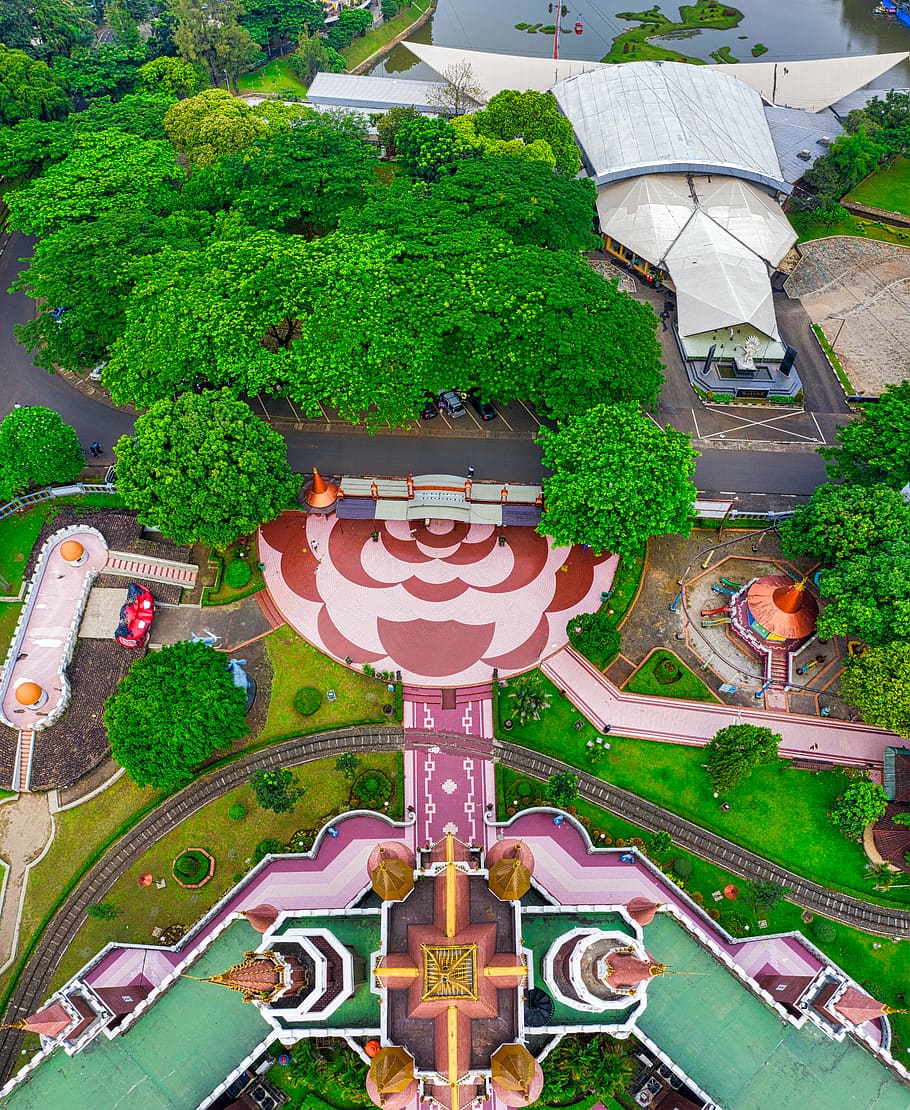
(28,499)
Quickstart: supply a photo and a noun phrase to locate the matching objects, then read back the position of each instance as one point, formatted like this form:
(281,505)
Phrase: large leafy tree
(171,710)
(29,89)
(37,449)
(878,684)
(28,147)
(110,68)
(139,113)
(302,178)
(617,480)
(734,752)
(204,467)
(171,77)
(860,804)
(869,595)
(530,116)
(210,35)
(841,521)
(210,124)
(271,22)
(586,1065)
(428,148)
(103,173)
(44,28)
(875,447)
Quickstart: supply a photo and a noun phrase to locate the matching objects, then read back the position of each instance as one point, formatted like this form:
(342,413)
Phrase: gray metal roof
(665,117)
(794,131)
(346,90)
(859,99)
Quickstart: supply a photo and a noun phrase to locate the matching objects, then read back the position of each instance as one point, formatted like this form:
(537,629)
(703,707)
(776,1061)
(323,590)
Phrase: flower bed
(193,868)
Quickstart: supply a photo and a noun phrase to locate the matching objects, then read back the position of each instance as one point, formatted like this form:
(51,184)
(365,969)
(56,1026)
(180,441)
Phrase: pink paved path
(442,602)
(685,722)
(56,598)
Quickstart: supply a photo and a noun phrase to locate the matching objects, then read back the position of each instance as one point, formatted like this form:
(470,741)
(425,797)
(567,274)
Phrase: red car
(136,617)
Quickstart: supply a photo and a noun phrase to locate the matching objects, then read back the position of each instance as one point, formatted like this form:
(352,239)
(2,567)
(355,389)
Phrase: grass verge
(688,685)
(887,188)
(275,78)
(625,586)
(362,48)
(223,594)
(807,228)
(833,359)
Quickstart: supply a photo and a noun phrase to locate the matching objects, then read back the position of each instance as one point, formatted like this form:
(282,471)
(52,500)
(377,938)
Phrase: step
(161,570)
(269,609)
(22,771)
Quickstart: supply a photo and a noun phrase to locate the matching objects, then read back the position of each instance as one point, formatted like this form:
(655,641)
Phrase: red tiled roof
(642,910)
(783,607)
(856,1006)
(51,1021)
(261,917)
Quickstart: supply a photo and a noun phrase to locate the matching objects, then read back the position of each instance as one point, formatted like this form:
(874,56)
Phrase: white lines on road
(531,414)
(771,422)
(817,428)
(695,422)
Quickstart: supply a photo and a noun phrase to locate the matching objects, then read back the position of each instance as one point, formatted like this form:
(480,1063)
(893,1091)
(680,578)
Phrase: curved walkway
(31,987)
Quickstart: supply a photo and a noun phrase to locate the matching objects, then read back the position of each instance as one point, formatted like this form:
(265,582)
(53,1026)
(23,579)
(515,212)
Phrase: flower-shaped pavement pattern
(443,602)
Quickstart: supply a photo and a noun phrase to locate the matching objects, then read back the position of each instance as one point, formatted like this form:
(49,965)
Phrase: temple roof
(642,910)
(856,1006)
(625,970)
(783,607)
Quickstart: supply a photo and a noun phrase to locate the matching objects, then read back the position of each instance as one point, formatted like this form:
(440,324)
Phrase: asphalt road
(776,476)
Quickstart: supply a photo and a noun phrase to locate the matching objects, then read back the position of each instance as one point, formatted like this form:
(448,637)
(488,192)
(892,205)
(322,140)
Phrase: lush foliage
(351,24)
(276,790)
(331,1068)
(842,521)
(204,467)
(238,574)
(530,697)
(103,911)
(562,788)
(618,480)
(307,700)
(372,789)
(595,636)
(267,847)
(44,29)
(586,1065)
(210,124)
(763,895)
(29,89)
(348,765)
(735,751)
(270,22)
(313,55)
(110,68)
(170,711)
(860,804)
(191,867)
(37,449)
(878,684)
(875,447)
(869,595)
(531,116)
(172,77)
(211,36)
(236,811)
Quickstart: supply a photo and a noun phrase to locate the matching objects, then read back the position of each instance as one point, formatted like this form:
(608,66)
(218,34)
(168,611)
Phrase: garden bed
(663,674)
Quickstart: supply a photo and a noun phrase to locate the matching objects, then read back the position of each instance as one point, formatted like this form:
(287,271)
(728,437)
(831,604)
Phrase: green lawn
(625,584)
(807,228)
(9,616)
(688,686)
(223,594)
(274,78)
(889,188)
(362,48)
(884,970)
(359,699)
(231,843)
(777,812)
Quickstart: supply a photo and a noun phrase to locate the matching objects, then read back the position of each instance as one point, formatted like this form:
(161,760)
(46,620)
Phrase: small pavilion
(774,617)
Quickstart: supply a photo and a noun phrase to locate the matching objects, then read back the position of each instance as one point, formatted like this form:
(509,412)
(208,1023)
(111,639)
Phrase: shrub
(714,914)
(348,764)
(237,812)
(103,911)
(268,847)
(307,700)
(682,867)
(238,574)
(594,636)
(276,790)
(523,789)
(372,789)
(735,923)
(191,867)
(823,931)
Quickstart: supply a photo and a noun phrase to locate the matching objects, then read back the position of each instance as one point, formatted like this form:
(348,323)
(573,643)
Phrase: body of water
(790,30)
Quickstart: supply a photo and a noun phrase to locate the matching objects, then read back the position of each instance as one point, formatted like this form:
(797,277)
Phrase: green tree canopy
(351,24)
(110,68)
(313,55)
(212,123)
(204,467)
(103,173)
(734,752)
(390,123)
(29,146)
(139,113)
(531,116)
(29,89)
(210,35)
(37,449)
(617,480)
(44,28)
(562,788)
(875,447)
(271,22)
(841,521)
(171,77)
(878,684)
(276,790)
(586,1065)
(869,595)
(171,710)
(428,148)
(860,804)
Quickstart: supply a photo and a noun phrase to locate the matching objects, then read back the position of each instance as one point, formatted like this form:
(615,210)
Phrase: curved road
(758,472)
(32,985)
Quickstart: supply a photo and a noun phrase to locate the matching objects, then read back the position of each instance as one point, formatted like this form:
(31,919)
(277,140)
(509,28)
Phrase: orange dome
(71,550)
(27,693)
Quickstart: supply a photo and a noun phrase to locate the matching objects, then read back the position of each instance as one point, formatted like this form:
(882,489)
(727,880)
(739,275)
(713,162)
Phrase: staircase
(156,570)
(269,609)
(22,769)
(779,670)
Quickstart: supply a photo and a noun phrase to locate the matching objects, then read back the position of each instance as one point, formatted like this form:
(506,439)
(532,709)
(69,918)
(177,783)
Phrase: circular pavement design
(443,602)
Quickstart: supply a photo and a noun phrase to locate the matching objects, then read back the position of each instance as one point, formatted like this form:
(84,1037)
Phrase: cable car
(579,27)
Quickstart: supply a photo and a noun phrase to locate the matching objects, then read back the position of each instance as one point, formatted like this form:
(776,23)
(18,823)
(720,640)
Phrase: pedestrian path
(685,722)
(22,769)
(467,710)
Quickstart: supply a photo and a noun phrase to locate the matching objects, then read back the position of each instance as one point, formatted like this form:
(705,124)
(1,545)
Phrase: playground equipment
(136,616)
(716,622)
(811,664)
(731,585)
(719,589)
(714,612)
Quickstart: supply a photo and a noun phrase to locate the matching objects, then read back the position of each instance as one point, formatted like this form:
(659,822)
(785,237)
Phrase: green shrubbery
(372,789)
(307,700)
(238,574)
(594,636)
(191,867)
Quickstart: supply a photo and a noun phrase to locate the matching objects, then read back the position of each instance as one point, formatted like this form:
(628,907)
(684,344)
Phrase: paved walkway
(689,722)
(26,832)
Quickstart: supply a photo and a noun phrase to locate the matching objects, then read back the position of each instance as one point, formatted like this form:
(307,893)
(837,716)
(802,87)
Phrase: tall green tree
(875,447)
(562,788)
(37,449)
(210,35)
(617,479)
(842,521)
(582,1066)
(170,711)
(29,146)
(204,467)
(428,148)
(860,804)
(106,69)
(212,123)
(530,116)
(29,89)
(273,22)
(276,790)
(313,55)
(734,752)
(44,28)
(103,173)
(141,114)
(351,24)
(869,595)
(172,77)
(878,684)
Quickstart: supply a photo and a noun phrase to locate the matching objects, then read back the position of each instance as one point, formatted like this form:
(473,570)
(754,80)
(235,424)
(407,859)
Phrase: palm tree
(530,697)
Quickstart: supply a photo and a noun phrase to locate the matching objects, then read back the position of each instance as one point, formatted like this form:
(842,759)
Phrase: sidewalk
(685,722)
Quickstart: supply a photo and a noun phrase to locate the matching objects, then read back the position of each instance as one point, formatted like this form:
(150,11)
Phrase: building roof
(795,131)
(896,774)
(859,99)
(495,72)
(815,84)
(666,117)
(346,90)
(856,1006)
(783,607)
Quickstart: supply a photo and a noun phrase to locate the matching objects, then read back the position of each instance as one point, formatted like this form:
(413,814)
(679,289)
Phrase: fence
(18,504)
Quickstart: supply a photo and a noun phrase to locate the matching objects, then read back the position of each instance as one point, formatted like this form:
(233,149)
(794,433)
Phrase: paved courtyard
(858,290)
(441,601)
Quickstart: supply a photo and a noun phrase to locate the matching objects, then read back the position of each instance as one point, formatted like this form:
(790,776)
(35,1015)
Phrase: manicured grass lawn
(885,969)
(625,584)
(777,812)
(359,699)
(689,686)
(9,616)
(274,77)
(232,843)
(888,188)
(361,48)
(808,228)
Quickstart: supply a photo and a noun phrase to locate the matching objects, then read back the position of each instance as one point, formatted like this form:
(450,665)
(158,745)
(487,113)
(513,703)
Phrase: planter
(193,862)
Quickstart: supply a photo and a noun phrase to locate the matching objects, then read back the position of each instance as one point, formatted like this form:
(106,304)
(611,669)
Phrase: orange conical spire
(790,599)
(319,485)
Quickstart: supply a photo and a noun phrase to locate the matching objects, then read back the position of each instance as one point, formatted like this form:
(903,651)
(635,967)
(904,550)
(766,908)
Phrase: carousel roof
(783,607)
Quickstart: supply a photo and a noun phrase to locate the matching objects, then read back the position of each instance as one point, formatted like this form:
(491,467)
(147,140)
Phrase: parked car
(430,410)
(452,404)
(483,408)
(97,370)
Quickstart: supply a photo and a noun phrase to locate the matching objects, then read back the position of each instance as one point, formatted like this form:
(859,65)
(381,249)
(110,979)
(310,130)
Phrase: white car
(97,370)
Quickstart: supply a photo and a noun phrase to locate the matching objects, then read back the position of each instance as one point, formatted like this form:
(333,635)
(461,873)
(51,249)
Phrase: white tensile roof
(666,117)
(495,72)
